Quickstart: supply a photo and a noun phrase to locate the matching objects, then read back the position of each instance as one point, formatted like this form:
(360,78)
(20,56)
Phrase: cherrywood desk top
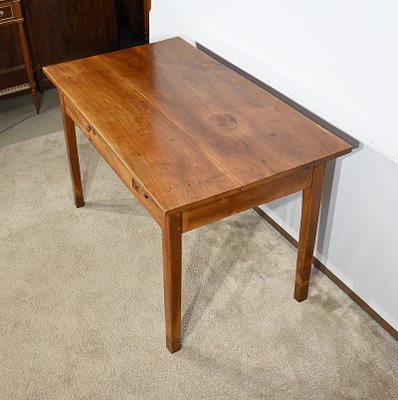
(188,128)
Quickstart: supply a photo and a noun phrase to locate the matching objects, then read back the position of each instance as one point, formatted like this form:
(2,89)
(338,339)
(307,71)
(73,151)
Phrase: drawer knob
(89,129)
(1,13)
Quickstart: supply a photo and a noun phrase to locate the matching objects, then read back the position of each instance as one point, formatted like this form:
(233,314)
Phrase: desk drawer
(114,161)
(6,13)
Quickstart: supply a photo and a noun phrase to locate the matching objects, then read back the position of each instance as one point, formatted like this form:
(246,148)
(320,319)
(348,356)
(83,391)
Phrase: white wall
(338,59)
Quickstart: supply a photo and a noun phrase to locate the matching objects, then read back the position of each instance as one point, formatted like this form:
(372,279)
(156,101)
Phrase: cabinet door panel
(12,70)
(57,30)
(69,29)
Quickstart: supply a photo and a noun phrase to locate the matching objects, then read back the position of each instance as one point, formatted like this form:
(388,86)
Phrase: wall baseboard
(373,314)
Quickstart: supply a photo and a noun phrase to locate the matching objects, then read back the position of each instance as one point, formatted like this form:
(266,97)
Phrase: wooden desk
(194,142)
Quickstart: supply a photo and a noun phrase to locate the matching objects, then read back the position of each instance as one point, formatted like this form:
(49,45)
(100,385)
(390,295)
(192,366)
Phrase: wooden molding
(318,264)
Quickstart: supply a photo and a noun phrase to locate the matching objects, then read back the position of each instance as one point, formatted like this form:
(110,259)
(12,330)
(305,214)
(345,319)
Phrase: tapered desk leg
(28,65)
(309,222)
(172,271)
(73,157)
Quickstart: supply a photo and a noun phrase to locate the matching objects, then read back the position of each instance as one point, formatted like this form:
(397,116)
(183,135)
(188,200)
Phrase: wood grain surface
(191,129)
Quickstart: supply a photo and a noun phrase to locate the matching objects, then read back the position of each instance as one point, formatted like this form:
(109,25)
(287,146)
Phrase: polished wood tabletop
(194,142)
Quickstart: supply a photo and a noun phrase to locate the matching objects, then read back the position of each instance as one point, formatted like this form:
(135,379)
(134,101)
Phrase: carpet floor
(81,301)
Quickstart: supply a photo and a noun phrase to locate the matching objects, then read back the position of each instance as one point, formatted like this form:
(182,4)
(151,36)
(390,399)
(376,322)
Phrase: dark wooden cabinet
(137,15)
(69,29)
(12,68)
(11,15)
(57,30)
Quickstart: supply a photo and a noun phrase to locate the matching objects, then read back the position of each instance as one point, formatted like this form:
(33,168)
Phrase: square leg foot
(173,345)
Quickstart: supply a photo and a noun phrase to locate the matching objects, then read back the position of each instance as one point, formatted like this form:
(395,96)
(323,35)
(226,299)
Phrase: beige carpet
(81,306)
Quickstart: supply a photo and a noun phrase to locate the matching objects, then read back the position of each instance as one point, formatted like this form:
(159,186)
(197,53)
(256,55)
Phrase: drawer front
(113,160)
(6,13)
